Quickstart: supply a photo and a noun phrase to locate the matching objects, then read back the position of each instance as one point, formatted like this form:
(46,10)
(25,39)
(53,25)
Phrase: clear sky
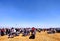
(30,13)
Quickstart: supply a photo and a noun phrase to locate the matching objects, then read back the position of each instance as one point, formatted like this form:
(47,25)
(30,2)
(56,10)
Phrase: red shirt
(33,29)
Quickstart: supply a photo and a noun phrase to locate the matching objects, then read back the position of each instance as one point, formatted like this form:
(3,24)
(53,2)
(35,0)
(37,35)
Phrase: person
(7,30)
(28,31)
(20,30)
(17,32)
(0,32)
(12,33)
(33,32)
(24,32)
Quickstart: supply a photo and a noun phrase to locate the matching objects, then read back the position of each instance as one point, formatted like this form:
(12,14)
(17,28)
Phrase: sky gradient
(30,13)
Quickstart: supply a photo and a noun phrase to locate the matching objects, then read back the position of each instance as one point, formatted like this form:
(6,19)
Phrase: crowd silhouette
(12,32)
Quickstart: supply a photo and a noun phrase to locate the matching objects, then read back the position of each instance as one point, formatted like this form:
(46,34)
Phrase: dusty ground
(43,36)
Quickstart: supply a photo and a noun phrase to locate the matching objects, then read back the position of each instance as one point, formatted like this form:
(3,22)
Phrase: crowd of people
(12,32)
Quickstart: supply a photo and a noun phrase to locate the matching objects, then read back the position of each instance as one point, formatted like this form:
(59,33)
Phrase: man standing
(33,32)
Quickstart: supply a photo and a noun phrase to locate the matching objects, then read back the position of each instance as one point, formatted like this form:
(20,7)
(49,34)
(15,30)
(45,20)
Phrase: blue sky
(30,13)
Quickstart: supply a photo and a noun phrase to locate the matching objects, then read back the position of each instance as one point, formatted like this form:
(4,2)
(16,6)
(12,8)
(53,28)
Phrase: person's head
(0,29)
(32,27)
(12,28)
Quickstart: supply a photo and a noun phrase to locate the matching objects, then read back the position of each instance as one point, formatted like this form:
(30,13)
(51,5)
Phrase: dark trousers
(32,36)
(2,33)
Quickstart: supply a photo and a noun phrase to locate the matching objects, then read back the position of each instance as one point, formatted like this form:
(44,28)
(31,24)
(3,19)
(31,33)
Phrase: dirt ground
(43,36)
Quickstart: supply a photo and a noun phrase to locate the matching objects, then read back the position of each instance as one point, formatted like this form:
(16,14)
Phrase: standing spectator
(12,33)
(33,32)
(0,32)
(24,32)
(28,32)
